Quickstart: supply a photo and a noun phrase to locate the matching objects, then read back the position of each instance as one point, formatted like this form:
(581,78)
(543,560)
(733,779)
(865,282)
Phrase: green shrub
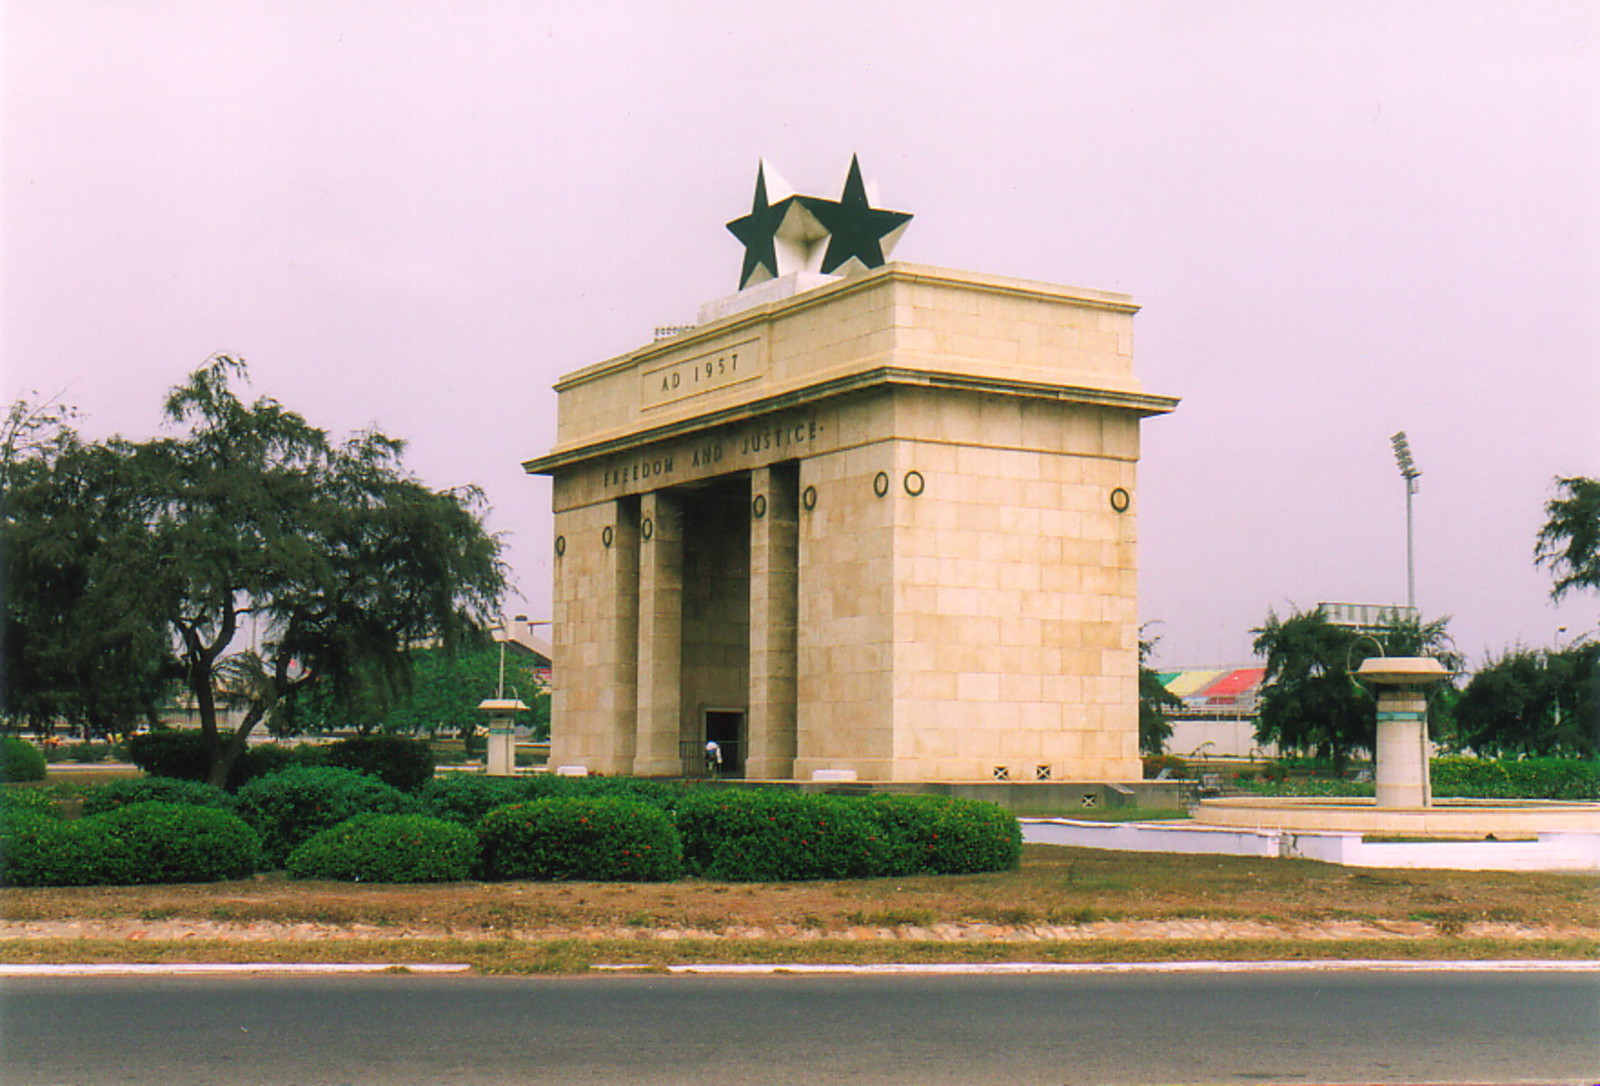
(20,760)
(406,764)
(39,850)
(182,754)
(467,797)
(1176,768)
(940,835)
(142,843)
(596,840)
(388,848)
(114,794)
(172,842)
(287,808)
(83,753)
(748,836)
(16,802)
(1527,778)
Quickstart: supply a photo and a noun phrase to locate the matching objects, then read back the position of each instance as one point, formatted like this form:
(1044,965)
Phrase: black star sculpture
(853,229)
(856,229)
(759,231)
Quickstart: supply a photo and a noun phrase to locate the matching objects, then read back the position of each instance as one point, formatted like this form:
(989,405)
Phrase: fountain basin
(1464,819)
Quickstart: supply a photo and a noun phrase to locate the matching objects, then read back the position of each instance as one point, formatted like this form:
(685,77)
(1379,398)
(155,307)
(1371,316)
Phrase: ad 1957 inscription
(730,450)
(679,380)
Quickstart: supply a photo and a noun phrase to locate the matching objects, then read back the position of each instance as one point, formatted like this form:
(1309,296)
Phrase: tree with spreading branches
(271,560)
(1569,542)
(1310,698)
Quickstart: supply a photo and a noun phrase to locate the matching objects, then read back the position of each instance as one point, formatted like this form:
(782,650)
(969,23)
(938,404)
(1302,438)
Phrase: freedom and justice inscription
(731,449)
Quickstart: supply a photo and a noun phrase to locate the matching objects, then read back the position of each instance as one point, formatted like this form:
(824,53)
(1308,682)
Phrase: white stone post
(502,734)
(1401,753)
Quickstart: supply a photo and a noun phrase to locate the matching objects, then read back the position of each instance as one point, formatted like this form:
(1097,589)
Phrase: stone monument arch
(871,523)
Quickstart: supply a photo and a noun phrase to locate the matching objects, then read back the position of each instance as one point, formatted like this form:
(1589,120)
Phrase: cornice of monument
(1144,404)
(910,274)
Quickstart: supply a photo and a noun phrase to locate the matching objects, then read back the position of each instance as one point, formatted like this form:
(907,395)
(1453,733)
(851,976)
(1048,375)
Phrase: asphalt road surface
(1225,1028)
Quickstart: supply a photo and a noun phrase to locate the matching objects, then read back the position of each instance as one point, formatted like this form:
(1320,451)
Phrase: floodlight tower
(1409,472)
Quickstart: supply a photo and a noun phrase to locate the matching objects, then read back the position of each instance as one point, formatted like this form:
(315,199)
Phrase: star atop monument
(758,232)
(857,230)
(787,236)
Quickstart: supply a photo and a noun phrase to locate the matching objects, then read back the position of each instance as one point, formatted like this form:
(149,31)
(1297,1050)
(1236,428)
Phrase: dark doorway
(725,728)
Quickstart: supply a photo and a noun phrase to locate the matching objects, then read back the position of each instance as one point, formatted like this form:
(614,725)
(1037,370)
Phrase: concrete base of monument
(1462,819)
(1546,851)
(1018,797)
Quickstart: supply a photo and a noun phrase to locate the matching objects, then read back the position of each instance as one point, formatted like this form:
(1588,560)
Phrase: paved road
(1340,1027)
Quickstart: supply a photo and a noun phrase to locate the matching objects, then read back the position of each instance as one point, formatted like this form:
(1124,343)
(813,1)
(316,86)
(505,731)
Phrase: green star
(856,229)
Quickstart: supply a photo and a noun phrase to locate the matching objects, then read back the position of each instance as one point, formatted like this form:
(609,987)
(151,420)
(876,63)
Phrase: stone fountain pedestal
(1401,754)
(1404,803)
(502,752)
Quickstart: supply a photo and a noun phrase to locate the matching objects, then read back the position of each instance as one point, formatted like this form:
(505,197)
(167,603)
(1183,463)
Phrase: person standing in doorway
(713,758)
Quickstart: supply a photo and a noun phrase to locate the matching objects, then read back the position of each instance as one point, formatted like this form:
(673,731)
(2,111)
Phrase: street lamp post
(1409,472)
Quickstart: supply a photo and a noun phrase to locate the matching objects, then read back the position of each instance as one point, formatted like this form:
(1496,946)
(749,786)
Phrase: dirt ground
(1059,895)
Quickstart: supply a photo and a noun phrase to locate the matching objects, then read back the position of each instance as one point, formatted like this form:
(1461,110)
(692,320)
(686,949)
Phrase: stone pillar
(1401,773)
(1401,753)
(774,607)
(620,644)
(660,653)
(502,734)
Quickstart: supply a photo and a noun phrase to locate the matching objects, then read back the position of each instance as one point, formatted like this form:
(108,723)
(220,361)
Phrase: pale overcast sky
(1342,219)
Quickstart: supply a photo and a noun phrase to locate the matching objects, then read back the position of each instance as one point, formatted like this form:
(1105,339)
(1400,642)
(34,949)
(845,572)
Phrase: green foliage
(596,840)
(183,754)
(79,642)
(39,850)
(748,836)
(387,848)
(406,764)
(83,753)
(286,808)
(339,556)
(20,760)
(466,797)
(1155,700)
(172,842)
(939,835)
(1527,778)
(142,843)
(1175,767)
(446,688)
(1532,702)
(116,794)
(1569,542)
(20,802)
(1310,698)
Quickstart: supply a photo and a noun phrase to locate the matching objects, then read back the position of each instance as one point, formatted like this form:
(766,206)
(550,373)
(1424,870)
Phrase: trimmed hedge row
(20,760)
(141,843)
(334,823)
(467,797)
(387,848)
(595,840)
(287,808)
(1526,778)
(117,794)
(398,761)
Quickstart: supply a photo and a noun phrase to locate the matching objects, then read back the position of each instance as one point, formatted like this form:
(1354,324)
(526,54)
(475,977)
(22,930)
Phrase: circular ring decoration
(647,527)
(880,483)
(808,497)
(607,536)
(1120,500)
(561,545)
(758,506)
(915,483)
